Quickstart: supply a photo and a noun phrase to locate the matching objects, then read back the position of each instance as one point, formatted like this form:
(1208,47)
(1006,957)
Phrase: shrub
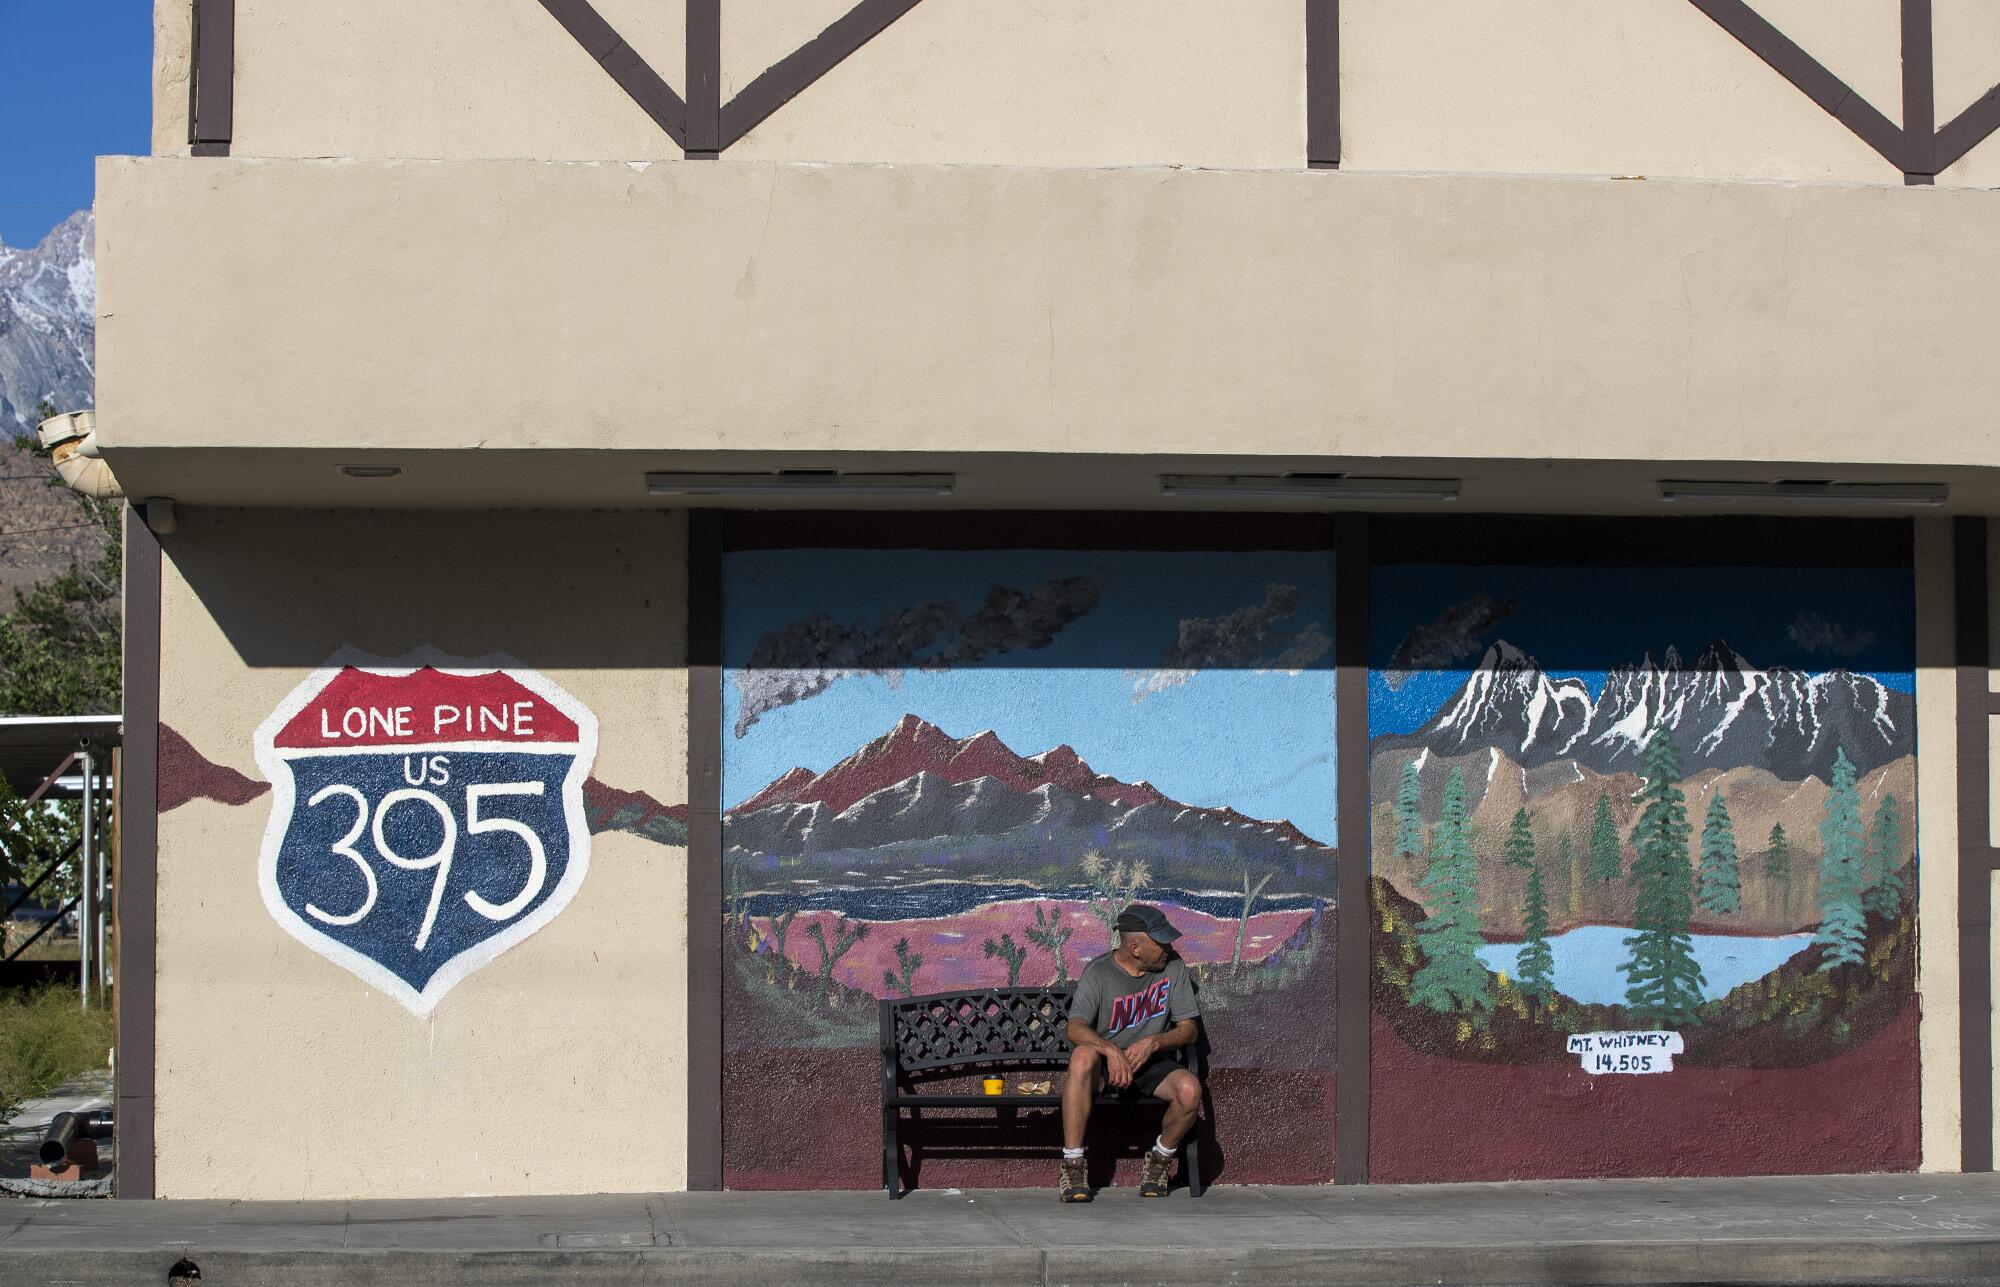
(46,1038)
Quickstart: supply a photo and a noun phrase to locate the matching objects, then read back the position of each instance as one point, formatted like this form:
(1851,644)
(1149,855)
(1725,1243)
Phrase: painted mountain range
(1721,712)
(917,783)
(1561,797)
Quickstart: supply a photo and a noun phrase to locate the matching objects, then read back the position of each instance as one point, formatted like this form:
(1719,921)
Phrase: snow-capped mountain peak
(1510,703)
(1721,712)
(48,324)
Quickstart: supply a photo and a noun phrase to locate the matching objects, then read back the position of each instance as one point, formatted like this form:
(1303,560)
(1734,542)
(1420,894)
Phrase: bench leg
(892,1154)
(1191,1160)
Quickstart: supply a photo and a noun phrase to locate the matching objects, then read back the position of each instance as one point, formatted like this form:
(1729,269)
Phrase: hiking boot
(1073,1181)
(1153,1179)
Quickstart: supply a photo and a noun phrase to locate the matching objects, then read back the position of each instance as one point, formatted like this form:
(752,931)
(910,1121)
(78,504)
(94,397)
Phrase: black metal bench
(950,1036)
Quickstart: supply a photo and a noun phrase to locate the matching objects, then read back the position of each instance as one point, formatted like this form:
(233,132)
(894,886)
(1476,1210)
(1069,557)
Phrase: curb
(1953,1262)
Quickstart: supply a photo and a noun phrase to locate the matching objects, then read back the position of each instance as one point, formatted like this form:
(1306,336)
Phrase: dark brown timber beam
(1804,71)
(631,72)
(785,79)
(212,88)
(1975,851)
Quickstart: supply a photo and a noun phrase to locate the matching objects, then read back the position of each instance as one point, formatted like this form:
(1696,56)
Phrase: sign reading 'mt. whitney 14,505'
(425,818)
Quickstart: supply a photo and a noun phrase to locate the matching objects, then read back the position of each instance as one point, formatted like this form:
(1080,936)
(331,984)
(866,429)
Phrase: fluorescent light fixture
(800,482)
(1800,491)
(371,471)
(1308,487)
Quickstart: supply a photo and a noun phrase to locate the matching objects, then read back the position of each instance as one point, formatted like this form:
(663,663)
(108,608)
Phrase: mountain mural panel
(952,769)
(1717,851)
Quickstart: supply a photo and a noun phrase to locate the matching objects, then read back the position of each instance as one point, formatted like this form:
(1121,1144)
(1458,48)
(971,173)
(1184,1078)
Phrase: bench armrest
(1195,1063)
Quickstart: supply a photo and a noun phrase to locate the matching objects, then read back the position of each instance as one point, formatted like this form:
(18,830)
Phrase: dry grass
(46,1038)
(46,948)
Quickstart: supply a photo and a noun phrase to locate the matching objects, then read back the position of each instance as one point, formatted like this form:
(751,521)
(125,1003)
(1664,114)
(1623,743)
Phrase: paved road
(1867,1229)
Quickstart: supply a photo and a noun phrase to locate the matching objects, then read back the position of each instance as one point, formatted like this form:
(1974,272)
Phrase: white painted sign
(1626,1052)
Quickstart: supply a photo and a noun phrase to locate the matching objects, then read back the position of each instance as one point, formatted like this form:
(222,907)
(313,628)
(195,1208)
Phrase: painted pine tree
(1841,925)
(1537,962)
(1882,875)
(1606,862)
(1518,849)
(1409,815)
(1662,981)
(1720,889)
(1451,977)
(1778,871)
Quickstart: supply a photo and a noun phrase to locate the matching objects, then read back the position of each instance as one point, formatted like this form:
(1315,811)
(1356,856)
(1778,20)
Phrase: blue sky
(75,81)
(1260,741)
(1580,622)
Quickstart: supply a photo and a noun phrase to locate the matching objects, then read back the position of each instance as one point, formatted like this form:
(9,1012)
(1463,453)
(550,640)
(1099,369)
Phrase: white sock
(1160,1146)
(1072,1155)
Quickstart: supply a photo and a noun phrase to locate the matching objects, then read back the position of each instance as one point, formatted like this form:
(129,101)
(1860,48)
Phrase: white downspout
(71,440)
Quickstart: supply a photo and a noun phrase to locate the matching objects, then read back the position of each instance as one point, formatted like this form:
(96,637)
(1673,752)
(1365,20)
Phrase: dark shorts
(1147,1080)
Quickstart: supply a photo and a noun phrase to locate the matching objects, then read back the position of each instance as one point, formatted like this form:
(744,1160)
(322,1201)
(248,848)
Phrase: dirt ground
(29,508)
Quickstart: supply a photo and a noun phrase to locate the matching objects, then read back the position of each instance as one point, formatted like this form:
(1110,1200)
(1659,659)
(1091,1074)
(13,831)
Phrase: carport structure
(48,759)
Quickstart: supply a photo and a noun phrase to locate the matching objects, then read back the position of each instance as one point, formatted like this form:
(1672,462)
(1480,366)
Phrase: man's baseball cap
(1150,921)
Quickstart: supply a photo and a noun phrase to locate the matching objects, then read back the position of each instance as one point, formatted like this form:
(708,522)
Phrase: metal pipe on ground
(64,1128)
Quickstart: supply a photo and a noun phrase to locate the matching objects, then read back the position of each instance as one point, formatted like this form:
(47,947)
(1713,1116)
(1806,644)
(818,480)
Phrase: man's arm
(1181,1034)
(1082,1035)
(1118,1064)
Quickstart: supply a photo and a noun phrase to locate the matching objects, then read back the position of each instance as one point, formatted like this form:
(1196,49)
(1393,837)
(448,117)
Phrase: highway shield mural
(426,817)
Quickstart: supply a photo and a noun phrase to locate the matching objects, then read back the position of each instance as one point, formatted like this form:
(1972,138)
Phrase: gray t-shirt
(1123,1009)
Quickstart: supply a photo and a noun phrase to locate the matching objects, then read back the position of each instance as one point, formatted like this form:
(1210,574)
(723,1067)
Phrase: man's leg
(1183,1095)
(1079,1088)
(1182,1091)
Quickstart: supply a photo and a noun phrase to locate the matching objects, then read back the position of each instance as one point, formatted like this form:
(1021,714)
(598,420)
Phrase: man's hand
(1118,1067)
(1142,1050)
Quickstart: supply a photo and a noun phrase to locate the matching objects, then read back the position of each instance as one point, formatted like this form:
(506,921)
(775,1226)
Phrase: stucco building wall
(980,310)
(558,1067)
(1555,86)
(1937,829)
(1577,248)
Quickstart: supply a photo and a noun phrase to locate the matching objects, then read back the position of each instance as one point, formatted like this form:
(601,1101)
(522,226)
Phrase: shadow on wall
(552,589)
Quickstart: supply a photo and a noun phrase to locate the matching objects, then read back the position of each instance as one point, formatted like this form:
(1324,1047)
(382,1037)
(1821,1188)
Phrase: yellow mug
(994,1085)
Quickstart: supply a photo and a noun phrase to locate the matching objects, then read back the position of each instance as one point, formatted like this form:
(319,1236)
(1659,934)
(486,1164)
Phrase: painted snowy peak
(917,782)
(48,323)
(1722,712)
(1510,703)
(916,746)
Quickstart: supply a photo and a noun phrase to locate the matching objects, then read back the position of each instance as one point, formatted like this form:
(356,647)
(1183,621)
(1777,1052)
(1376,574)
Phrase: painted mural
(1643,867)
(427,816)
(949,769)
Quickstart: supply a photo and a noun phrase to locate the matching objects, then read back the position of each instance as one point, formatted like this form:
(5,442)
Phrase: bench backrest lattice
(964,1029)
(952,1035)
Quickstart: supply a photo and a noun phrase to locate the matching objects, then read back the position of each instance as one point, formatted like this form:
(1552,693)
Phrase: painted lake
(1587,960)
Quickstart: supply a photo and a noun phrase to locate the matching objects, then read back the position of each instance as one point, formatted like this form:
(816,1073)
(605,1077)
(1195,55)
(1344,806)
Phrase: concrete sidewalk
(1843,1229)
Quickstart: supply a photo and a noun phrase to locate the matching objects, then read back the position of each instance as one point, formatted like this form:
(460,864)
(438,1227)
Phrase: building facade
(660,525)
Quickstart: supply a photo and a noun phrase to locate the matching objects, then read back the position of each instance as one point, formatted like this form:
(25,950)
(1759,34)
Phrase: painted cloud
(1815,634)
(1247,637)
(1453,635)
(804,659)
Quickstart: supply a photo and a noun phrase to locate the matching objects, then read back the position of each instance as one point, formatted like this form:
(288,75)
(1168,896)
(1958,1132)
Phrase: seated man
(1132,1006)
